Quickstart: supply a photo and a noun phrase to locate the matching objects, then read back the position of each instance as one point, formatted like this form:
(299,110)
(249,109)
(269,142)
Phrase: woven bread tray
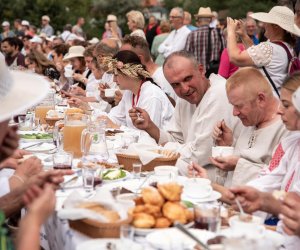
(52,120)
(96,229)
(128,160)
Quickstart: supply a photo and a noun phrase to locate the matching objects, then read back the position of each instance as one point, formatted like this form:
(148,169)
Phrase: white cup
(126,200)
(252,229)
(198,188)
(165,174)
(221,151)
(110,92)
(68,72)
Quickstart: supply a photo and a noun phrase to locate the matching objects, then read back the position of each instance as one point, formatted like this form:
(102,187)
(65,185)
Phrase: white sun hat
(74,51)
(280,15)
(19,90)
(296,99)
(36,39)
(94,40)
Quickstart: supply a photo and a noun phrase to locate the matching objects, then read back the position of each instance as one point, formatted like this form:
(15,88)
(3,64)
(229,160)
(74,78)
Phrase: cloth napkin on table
(102,196)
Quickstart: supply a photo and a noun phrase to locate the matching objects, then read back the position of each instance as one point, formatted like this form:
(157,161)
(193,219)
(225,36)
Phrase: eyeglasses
(174,17)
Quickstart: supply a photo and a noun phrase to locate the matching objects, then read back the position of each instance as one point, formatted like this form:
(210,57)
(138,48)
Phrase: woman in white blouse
(279,27)
(139,91)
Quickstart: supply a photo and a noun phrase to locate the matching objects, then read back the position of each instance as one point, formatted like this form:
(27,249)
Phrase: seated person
(201,103)
(140,91)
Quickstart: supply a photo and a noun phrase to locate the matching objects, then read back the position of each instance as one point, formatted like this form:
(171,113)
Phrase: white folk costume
(192,126)
(151,98)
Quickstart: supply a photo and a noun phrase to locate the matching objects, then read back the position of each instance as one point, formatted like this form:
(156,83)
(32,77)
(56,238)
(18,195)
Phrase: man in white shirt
(201,104)
(177,38)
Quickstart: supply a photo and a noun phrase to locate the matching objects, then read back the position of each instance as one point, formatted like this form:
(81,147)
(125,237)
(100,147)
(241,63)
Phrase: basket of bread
(159,207)
(97,229)
(167,157)
(53,115)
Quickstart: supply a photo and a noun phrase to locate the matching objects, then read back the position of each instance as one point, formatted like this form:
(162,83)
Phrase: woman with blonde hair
(39,63)
(136,23)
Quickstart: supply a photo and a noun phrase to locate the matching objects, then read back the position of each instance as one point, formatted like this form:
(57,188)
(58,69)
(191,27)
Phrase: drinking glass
(43,107)
(207,216)
(126,235)
(136,170)
(88,177)
(26,121)
(62,160)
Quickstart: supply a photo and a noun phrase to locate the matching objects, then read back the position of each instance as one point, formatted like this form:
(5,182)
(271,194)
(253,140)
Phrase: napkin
(144,151)
(102,196)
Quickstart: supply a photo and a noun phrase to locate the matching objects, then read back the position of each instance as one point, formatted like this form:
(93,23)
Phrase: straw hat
(296,99)
(204,12)
(280,15)
(19,91)
(74,51)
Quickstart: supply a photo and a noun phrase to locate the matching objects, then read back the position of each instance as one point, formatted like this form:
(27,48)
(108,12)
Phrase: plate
(33,140)
(101,244)
(45,147)
(213,197)
(128,175)
(146,231)
(269,235)
(174,239)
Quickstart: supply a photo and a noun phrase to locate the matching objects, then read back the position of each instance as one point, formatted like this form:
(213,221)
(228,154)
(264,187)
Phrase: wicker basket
(128,160)
(51,121)
(95,229)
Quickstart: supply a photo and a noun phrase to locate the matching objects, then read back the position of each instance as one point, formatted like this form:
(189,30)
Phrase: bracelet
(18,177)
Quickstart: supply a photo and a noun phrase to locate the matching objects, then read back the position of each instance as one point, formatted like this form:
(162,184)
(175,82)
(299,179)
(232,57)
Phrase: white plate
(100,244)
(269,235)
(34,140)
(146,231)
(45,147)
(171,238)
(213,197)
(128,175)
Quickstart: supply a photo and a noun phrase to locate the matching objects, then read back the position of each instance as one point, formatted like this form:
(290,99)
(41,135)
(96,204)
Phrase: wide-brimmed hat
(296,99)
(74,51)
(19,91)
(111,18)
(204,12)
(279,15)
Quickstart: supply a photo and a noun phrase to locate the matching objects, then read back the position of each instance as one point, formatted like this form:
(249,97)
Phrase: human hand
(118,97)
(19,153)
(140,118)
(241,28)
(222,134)
(250,198)
(78,103)
(9,163)
(29,167)
(102,88)
(195,170)
(75,90)
(231,26)
(226,163)
(77,77)
(10,143)
(65,94)
(40,202)
(290,215)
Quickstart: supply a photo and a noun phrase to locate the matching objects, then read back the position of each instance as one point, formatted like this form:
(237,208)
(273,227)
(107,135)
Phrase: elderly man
(205,43)
(46,27)
(201,104)
(251,29)
(177,38)
(254,104)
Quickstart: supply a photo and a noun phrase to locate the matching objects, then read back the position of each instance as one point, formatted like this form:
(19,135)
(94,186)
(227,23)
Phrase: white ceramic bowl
(110,92)
(221,151)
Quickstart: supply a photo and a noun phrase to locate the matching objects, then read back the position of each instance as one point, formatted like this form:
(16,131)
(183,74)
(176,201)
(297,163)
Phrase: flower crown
(128,69)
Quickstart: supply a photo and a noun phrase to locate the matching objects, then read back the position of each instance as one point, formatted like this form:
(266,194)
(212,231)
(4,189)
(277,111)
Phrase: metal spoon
(240,207)
(189,234)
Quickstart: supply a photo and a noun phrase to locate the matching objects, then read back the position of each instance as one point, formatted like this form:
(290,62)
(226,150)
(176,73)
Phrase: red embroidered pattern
(279,153)
(287,187)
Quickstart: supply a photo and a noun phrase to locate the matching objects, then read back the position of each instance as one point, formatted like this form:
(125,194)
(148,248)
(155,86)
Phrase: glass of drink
(62,160)
(88,177)
(26,121)
(136,170)
(74,125)
(126,235)
(207,216)
(42,108)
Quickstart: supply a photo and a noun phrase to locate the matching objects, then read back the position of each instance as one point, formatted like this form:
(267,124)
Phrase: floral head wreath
(128,69)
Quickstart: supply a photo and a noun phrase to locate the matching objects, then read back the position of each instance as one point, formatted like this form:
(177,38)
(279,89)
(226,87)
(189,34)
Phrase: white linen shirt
(175,41)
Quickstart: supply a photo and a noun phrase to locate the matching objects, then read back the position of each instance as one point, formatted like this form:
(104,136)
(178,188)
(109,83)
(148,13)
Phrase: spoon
(240,207)
(189,234)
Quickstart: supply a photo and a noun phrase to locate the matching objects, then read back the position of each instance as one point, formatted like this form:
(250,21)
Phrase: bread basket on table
(52,120)
(170,158)
(95,229)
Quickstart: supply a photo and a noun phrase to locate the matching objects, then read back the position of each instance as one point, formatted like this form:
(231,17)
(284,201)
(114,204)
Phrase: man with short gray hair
(177,38)
(46,27)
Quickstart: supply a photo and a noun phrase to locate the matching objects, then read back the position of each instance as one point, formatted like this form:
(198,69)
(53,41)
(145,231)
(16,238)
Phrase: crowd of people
(188,87)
